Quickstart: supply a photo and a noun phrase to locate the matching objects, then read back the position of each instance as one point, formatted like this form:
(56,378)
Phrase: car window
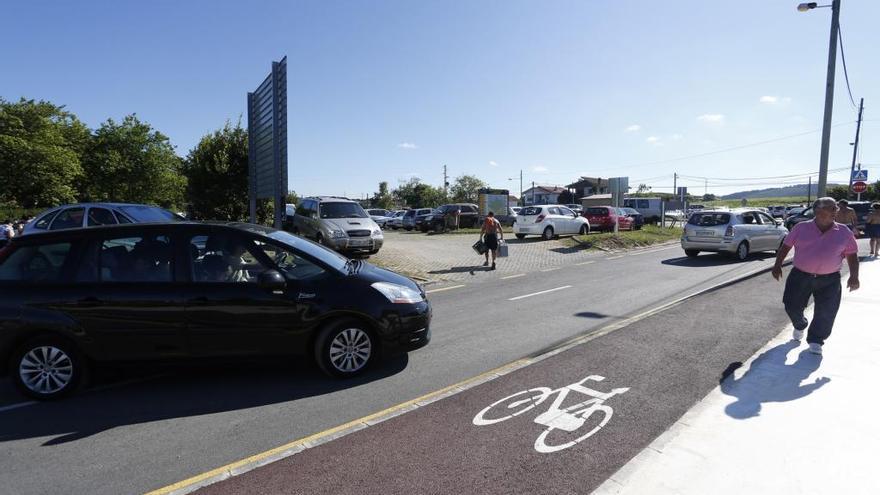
(70,218)
(553,210)
(342,210)
(530,211)
(808,213)
(44,222)
(600,212)
(100,216)
(136,259)
(144,214)
(642,203)
(566,211)
(288,262)
(224,258)
(122,218)
(35,264)
(766,219)
(709,219)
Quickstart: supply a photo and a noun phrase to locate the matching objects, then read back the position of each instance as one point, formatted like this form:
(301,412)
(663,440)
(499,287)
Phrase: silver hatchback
(738,232)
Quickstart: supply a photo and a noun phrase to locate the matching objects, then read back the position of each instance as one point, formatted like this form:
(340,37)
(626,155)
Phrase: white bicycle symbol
(569,419)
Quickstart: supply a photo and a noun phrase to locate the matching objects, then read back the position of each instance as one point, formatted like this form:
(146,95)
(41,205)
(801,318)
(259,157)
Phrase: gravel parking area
(450,257)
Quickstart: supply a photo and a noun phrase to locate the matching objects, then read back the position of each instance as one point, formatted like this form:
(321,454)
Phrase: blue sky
(387,90)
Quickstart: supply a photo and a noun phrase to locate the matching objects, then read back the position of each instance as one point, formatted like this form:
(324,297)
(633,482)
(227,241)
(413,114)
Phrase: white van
(650,208)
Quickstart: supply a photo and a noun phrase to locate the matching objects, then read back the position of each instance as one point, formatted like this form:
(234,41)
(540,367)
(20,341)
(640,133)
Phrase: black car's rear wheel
(47,367)
(345,348)
(692,253)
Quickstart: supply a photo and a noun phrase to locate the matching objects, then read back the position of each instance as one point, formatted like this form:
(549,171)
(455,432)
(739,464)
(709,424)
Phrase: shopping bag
(480,247)
(502,249)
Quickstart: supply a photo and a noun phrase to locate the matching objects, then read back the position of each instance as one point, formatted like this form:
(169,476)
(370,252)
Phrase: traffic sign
(859,175)
(859,187)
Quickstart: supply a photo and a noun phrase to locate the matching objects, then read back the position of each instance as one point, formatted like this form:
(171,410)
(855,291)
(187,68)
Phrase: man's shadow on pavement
(769,379)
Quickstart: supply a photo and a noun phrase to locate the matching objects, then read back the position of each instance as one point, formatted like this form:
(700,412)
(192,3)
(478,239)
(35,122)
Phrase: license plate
(705,233)
(359,242)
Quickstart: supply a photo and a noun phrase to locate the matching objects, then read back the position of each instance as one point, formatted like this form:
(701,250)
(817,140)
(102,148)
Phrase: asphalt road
(131,437)
(478,442)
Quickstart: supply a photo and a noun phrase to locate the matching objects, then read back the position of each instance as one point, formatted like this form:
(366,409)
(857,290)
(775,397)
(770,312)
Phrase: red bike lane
(574,419)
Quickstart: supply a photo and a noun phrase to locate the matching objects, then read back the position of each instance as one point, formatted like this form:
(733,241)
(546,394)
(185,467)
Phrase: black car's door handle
(89,302)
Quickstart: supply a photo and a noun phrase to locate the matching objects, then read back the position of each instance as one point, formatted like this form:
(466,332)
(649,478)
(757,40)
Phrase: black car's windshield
(342,210)
(145,214)
(320,253)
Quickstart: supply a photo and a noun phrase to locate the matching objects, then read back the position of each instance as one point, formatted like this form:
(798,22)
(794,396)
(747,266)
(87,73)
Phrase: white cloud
(773,100)
(711,118)
(677,137)
(540,169)
(633,128)
(493,163)
(407,146)
(652,139)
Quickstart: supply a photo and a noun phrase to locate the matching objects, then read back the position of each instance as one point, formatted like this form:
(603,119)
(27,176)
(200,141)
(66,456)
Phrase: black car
(422,217)
(638,218)
(862,208)
(468,216)
(187,290)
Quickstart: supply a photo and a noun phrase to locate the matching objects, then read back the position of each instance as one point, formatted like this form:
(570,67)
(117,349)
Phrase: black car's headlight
(398,294)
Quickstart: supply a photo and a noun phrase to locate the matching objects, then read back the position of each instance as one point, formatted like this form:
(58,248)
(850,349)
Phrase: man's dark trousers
(825,290)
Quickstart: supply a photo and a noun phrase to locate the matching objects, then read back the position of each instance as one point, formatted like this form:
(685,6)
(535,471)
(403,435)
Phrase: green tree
(465,189)
(41,147)
(837,192)
(415,194)
(709,197)
(292,198)
(383,198)
(217,178)
(131,162)
(643,188)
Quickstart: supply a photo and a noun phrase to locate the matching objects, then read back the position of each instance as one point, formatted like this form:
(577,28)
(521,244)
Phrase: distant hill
(776,192)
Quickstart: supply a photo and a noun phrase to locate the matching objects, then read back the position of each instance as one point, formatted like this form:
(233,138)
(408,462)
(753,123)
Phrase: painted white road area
(786,421)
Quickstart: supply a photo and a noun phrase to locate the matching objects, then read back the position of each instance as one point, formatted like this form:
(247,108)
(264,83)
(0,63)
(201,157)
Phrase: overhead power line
(845,73)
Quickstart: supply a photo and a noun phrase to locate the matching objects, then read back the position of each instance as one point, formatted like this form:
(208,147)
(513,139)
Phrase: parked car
(79,215)
(777,211)
(468,216)
(738,232)
(638,218)
(420,220)
(289,212)
(409,219)
(380,215)
(579,209)
(549,221)
(396,221)
(183,291)
(604,218)
(338,223)
(862,209)
(792,209)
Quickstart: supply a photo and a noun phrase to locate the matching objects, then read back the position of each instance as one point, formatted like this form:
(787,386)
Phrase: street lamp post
(829,90)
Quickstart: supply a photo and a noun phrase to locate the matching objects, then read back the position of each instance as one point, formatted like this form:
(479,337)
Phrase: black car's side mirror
(272,280)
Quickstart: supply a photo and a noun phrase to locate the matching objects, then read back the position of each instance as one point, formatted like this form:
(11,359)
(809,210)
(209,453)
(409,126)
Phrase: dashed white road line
(513,276)
(615,257)
(441,289)
(648,251)
(550,269)
(585,262)
(539,293)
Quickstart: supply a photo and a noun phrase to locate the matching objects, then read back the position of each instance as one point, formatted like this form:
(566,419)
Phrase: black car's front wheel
(345,348)
(47,367)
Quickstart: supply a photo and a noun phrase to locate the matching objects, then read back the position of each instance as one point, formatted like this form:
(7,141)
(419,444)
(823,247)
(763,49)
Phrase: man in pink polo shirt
(820,247)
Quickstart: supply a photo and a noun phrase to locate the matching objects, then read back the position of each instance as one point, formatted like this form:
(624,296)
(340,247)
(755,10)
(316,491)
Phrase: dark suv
(186,290)
(468,216)
(862,209)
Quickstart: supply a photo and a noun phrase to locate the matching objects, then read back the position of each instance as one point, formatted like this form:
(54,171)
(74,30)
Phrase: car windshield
(709,219)
(597,211)
(145,214)
(317,251)
(342,210)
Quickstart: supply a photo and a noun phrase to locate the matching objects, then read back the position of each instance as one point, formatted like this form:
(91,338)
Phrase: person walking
(847,216)
(820,247)
(491,233)
(872,228)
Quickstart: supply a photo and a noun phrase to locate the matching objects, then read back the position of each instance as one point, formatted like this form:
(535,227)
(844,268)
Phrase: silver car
(738,232)
(79,215)
(338,223)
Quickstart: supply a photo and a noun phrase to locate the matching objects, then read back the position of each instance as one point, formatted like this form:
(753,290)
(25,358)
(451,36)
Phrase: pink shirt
(820,252)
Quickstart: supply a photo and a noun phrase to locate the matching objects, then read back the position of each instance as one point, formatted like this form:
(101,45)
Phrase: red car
(603,218)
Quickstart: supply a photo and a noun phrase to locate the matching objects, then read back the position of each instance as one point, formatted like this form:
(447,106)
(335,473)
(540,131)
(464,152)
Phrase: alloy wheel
(350,350)
(46,370)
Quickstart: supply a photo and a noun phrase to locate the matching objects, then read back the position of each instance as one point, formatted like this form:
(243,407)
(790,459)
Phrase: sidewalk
(785,422)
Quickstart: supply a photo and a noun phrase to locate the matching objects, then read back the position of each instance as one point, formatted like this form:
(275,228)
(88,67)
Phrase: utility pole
(829,98)
(533,193)
(809,190)
(521,199)
(445,184)
(856,147)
